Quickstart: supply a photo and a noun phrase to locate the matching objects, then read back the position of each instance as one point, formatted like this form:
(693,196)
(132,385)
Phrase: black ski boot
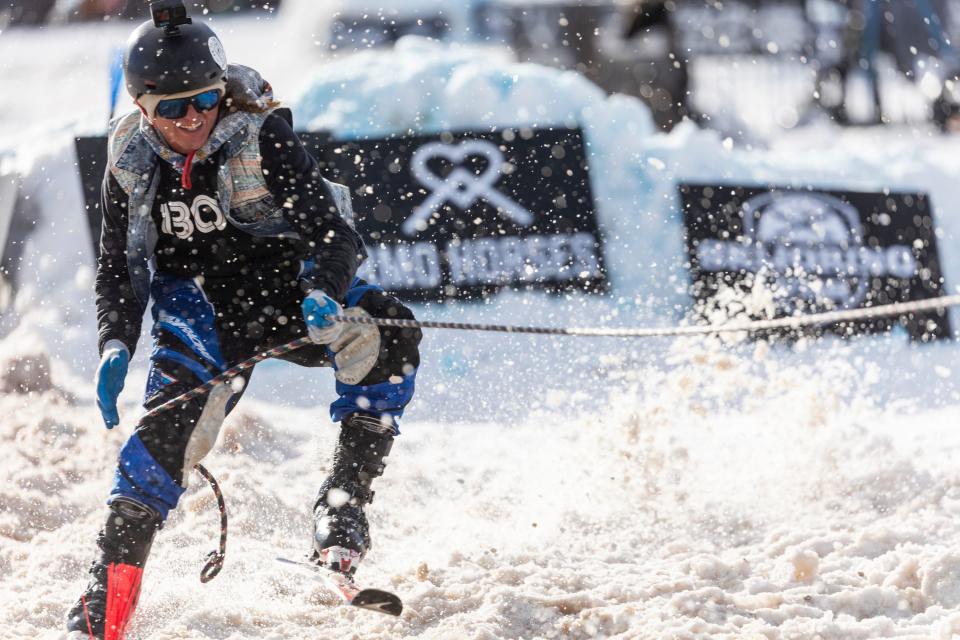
(106,606)
(341,535)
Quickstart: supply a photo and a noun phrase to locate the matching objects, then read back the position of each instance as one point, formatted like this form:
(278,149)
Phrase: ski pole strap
(751,326)
(216,558)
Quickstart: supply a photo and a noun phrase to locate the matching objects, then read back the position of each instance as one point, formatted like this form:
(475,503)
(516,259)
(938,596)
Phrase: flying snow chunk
(806,566)
(336,498)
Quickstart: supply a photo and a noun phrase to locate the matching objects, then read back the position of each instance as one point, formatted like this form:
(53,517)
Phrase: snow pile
(422,86)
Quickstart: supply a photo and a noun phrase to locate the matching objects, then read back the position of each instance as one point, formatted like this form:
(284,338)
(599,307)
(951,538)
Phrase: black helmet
(173,59)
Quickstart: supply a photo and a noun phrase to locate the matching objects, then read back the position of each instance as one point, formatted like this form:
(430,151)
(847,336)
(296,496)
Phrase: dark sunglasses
(177,107)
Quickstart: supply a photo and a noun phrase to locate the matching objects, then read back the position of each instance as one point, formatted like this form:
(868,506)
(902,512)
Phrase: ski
(348,590)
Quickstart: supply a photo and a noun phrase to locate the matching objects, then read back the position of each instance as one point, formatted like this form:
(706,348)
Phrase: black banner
(92,164)
(462,215)
(456,215)
(816,250)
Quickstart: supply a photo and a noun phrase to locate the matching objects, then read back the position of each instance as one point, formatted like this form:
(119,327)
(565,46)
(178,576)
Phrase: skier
(213,209)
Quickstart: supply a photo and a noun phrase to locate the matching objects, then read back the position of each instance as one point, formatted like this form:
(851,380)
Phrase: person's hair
(238,101)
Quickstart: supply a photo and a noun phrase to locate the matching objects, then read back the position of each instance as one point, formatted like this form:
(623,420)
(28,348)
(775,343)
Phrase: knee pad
(204,434)
(141,479)
(357,349)
(399,346)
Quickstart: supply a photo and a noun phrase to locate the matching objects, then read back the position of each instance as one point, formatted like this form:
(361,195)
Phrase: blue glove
(110,377)
(316,307)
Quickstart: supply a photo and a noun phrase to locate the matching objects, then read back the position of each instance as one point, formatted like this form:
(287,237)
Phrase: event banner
(454,215)
(462,215)
(816,250)
(92,163)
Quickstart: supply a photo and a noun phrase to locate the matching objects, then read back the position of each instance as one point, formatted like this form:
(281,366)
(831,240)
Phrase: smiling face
(187,134)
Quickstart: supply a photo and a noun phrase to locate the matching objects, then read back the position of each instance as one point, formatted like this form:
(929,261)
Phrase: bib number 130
(180,220)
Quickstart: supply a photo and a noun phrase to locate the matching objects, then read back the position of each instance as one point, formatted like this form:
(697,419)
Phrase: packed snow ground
(717,495)
(543,488)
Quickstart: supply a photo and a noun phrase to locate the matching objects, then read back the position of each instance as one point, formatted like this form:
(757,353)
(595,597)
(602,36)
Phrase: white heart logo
(462,187)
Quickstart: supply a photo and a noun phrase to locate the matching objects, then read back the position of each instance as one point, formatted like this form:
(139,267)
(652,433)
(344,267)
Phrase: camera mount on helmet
(169,15)
(172,54)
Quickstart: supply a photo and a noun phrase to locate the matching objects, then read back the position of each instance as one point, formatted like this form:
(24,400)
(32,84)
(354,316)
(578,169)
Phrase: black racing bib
(196,239)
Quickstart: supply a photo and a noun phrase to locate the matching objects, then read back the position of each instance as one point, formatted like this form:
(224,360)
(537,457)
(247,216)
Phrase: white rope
(791,322)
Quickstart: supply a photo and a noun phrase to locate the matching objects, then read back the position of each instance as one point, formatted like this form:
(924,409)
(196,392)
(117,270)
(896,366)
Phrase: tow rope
(749,326)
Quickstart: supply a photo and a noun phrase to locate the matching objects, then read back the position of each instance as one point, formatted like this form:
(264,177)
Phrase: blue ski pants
(195,339)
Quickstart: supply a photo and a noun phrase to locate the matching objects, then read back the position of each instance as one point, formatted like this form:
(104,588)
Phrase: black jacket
(293,179)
